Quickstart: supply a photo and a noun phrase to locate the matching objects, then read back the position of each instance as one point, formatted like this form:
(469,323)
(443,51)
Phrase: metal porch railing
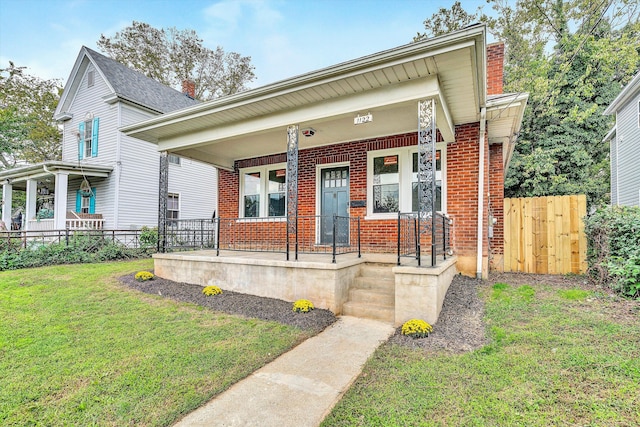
(315,234)
(435,241)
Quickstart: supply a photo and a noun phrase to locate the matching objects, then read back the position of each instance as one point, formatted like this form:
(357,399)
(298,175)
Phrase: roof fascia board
(627,92)
(443,44)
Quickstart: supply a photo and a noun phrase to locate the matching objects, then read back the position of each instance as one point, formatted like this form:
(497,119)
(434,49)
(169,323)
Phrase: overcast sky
(283,37)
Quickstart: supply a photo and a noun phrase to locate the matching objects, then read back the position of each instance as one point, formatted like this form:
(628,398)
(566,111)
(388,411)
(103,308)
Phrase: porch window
(174,159)
(86,201)
(414,182)
(263,191)
(173,206)
(392,181)
(386,184)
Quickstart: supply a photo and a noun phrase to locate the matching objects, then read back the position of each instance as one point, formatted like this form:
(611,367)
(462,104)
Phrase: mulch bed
(235,303)
(459,329)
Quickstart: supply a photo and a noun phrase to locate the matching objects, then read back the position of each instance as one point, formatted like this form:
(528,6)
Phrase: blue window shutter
(94,137)
(92,201)
(81,140)
(78,201)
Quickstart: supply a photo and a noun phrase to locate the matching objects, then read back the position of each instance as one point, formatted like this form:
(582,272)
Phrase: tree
(446,20)
(28,132)
(172,56)
(572,57)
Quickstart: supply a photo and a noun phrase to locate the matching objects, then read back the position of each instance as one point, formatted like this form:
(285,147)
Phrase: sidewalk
(300,387)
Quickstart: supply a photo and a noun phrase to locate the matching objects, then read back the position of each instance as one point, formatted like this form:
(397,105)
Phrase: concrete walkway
(300,387)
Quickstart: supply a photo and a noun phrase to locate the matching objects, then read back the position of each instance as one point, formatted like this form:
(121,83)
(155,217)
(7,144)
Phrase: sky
(284,38)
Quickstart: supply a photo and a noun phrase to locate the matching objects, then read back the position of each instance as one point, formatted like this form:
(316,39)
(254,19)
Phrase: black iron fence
(333,235)
(89,239)
(435,239)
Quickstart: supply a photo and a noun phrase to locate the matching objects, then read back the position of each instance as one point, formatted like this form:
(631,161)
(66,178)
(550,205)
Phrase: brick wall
(495,68)
(496,207)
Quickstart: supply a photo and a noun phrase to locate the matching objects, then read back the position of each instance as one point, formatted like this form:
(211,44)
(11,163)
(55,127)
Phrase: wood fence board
(545,234)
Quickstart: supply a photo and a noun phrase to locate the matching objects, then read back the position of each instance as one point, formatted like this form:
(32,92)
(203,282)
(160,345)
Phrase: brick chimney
(495,68)
(189,88)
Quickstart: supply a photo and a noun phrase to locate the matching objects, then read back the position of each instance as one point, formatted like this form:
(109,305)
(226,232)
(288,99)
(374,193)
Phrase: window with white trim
(173,206)
(263,191)
(392,181)
(174,159)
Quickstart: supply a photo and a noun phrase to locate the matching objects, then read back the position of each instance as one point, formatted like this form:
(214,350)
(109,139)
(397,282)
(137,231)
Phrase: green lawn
(557,357)
(79,348)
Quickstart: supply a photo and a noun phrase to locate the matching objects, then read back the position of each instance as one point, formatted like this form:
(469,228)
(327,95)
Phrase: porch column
(7,193)
(426,173)
(163,193)
(292,186)
(60,201)
(32,191)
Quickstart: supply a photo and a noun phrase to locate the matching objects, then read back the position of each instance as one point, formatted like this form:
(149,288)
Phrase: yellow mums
(303,306)
(416,328)
(143,276)
(211,290)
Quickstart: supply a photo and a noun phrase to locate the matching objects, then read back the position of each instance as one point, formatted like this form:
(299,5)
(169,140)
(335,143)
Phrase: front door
(334,201)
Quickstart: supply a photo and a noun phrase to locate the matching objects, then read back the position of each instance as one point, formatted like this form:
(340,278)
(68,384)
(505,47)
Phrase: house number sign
(358,120)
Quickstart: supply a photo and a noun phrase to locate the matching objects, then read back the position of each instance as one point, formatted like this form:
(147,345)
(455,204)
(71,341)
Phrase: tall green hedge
(613,235)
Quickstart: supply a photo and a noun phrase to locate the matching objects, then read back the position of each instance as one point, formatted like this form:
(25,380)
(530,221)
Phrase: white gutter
(483,126)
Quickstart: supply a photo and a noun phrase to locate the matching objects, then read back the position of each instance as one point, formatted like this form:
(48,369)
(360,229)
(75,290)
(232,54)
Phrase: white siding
(197,184)
(613,155)
(628,159)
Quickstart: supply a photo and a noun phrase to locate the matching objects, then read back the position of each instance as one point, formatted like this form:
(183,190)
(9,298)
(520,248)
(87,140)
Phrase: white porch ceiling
(449,69)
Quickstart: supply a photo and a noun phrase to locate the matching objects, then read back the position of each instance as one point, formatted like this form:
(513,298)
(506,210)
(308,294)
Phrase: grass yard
(78,348)
(557,356)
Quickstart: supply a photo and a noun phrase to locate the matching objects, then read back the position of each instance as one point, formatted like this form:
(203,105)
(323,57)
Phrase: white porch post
(60,201)
(32,189)
(7,192)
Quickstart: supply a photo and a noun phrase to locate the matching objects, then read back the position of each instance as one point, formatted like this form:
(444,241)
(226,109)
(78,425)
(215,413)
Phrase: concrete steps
(372,294)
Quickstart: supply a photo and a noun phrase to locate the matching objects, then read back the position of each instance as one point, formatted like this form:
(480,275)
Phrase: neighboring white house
(624,143)
(107,179)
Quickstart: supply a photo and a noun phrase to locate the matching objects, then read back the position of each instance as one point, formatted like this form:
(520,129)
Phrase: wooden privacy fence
(545,235)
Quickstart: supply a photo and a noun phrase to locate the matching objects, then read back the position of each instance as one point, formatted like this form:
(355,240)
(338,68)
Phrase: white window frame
(174,195)
(174,159)
(88,138)
(85,204)
(263,212)
(405,171)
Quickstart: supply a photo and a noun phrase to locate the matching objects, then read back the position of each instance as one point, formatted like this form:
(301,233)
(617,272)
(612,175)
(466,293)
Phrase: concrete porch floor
(418,292)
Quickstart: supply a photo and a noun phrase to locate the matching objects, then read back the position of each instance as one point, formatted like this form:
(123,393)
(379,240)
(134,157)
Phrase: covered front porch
(44,203)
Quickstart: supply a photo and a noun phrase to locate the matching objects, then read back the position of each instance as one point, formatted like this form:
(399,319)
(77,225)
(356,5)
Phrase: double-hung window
(173,206)
(88,138)
(392,181)
(263,191)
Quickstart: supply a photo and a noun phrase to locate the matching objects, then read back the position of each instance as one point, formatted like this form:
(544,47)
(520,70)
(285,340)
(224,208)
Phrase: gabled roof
(627,92)
(125,84)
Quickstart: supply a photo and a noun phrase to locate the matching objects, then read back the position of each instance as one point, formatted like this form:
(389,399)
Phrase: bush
(148,238)
(416,328)
(613,254)
(211,290)
(303,306)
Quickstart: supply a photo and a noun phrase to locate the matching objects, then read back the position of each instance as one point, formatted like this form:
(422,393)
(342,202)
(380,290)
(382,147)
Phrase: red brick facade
(496,207)
(495,68)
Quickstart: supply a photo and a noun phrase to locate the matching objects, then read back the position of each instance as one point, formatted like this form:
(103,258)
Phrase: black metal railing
(333,235)
(88,239)
(435,240)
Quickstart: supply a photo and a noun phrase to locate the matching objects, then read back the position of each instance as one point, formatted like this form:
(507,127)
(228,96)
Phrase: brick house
(357,130)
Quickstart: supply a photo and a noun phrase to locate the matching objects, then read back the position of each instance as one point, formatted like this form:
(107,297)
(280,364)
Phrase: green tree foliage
(573,57)
(445,21)
(28,132)
(171,56)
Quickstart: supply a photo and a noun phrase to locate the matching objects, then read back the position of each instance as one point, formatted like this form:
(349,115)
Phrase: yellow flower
(211,290)
(416,328)
(302,306)
(143,276)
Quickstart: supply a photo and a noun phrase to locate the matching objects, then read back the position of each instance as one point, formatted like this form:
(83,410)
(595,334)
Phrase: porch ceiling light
(308,132)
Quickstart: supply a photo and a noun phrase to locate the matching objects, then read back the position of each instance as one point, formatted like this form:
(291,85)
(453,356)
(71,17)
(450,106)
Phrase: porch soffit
(224,130)
(47,169)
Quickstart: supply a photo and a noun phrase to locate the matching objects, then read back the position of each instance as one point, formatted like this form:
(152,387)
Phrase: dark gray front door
(335,201)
